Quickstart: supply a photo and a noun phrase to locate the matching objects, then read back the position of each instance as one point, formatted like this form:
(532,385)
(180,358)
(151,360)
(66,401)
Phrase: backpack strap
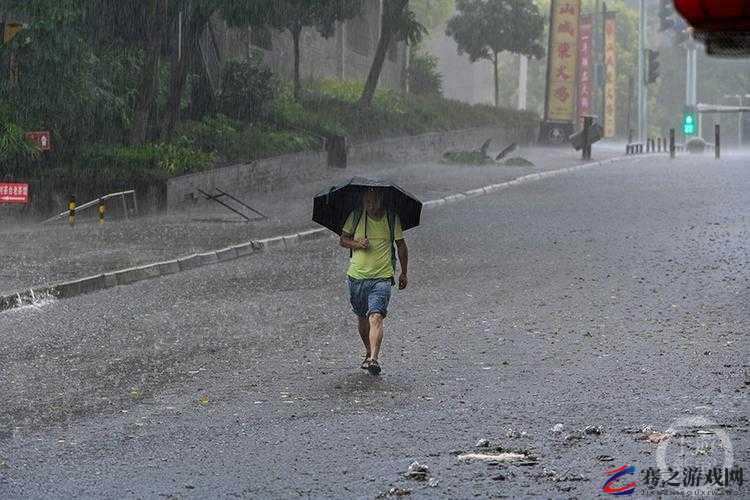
(356,217)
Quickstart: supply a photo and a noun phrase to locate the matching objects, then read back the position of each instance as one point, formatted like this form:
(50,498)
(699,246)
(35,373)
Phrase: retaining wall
(280,172)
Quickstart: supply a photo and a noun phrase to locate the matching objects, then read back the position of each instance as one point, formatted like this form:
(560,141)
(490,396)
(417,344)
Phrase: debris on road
(505,456)
(395,492)
(557,428)
(482,443)
(593,429)
(433,482)
(417,471)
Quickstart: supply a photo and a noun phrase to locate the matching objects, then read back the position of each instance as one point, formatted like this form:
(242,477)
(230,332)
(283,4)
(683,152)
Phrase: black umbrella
(332,206)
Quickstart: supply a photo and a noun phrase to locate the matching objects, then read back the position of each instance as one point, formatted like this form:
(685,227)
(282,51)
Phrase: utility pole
(642,95)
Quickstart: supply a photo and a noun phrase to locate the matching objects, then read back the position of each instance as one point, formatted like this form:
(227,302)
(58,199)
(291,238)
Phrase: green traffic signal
(688,122)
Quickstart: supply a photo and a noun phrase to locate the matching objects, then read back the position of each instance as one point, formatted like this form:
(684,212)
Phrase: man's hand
(402,281)
(363,244)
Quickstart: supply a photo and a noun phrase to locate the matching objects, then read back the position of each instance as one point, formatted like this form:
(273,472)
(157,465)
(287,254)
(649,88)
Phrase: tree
(196,17)
(399,23)
(149,71)
(293,16)
(483,29)
(432,14)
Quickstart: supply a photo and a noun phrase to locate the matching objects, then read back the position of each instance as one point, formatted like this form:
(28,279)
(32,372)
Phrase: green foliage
(261,142)
(150,161)
(484,28)
(247,89)
(387,100)
(290,114)
(423,75)
(394,114)
(213,134)
(432,13)
(14,146)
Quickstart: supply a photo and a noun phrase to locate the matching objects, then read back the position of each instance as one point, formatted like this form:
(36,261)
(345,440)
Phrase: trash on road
(505,456)
(395,492)
(593,429)
(482,443)
(417,471)
(557,428)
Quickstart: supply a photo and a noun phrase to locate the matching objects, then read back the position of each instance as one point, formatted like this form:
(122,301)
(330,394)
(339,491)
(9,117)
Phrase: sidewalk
(36,255)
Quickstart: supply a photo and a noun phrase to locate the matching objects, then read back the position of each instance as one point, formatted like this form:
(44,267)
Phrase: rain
(374,248)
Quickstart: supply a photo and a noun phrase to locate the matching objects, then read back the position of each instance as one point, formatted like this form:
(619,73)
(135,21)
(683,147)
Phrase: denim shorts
(369,296)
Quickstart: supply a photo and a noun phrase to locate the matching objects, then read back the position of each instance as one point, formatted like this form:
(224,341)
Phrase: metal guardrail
(96,202)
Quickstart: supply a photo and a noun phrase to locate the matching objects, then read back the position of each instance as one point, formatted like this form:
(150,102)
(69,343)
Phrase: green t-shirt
(374,261)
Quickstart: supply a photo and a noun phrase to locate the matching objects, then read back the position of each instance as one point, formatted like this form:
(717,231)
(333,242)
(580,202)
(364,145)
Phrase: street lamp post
(739,116)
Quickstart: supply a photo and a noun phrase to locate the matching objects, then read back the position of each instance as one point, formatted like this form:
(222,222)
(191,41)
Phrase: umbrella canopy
(332,206)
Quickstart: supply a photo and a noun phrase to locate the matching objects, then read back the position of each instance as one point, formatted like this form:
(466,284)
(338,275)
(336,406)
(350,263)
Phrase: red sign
(41,139)
(585,68)
(14,192)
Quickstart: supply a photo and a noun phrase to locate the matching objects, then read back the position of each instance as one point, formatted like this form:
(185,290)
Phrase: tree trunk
(147,85)
(392,10)
(190,56)
(296,34)
(497,83)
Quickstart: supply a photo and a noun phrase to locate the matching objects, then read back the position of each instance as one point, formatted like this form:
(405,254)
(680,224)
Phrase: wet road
(616,297)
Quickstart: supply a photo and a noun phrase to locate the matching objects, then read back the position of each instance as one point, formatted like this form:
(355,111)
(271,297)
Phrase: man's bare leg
(376,334)
(364,334)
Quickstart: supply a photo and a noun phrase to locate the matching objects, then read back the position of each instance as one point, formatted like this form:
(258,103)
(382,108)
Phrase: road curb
(122,277)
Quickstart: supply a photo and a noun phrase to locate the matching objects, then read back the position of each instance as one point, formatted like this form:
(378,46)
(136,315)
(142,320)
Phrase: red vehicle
(723,25)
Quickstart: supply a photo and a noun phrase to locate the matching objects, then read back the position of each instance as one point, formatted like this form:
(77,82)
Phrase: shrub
(247,89)
(695,145)
(261,142)
(213,134)
(290,114)
(151,161)
(423,75)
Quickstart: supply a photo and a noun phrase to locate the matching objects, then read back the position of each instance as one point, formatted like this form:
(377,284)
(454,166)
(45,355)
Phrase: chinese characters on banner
(14,192)
(610,70)
(562,64)
(585,68)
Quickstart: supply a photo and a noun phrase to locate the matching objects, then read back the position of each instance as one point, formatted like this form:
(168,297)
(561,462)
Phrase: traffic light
(652,66)
(666,11)
(688,121)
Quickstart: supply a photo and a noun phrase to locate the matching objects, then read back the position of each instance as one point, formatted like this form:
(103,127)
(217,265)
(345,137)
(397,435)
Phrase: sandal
(373,367)
(364,364)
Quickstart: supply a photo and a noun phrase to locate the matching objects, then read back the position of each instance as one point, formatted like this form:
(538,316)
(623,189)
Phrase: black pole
(586,137)
(671,143)
(717,141)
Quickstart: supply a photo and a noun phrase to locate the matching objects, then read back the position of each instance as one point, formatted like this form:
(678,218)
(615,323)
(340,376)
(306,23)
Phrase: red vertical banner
(585,68)
(610,70)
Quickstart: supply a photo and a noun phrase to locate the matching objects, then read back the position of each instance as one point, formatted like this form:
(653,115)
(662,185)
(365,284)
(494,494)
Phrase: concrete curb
(132,275)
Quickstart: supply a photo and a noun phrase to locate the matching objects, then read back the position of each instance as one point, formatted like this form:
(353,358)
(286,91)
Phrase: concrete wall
(278,173)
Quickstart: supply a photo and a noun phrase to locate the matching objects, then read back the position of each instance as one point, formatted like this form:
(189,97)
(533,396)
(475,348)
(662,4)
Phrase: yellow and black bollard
(72,210)
(102,208)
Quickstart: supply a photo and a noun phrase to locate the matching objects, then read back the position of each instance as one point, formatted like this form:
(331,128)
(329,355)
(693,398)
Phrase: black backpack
(357,217)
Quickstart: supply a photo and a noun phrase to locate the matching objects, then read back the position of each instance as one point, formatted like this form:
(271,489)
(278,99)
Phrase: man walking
(370,234)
